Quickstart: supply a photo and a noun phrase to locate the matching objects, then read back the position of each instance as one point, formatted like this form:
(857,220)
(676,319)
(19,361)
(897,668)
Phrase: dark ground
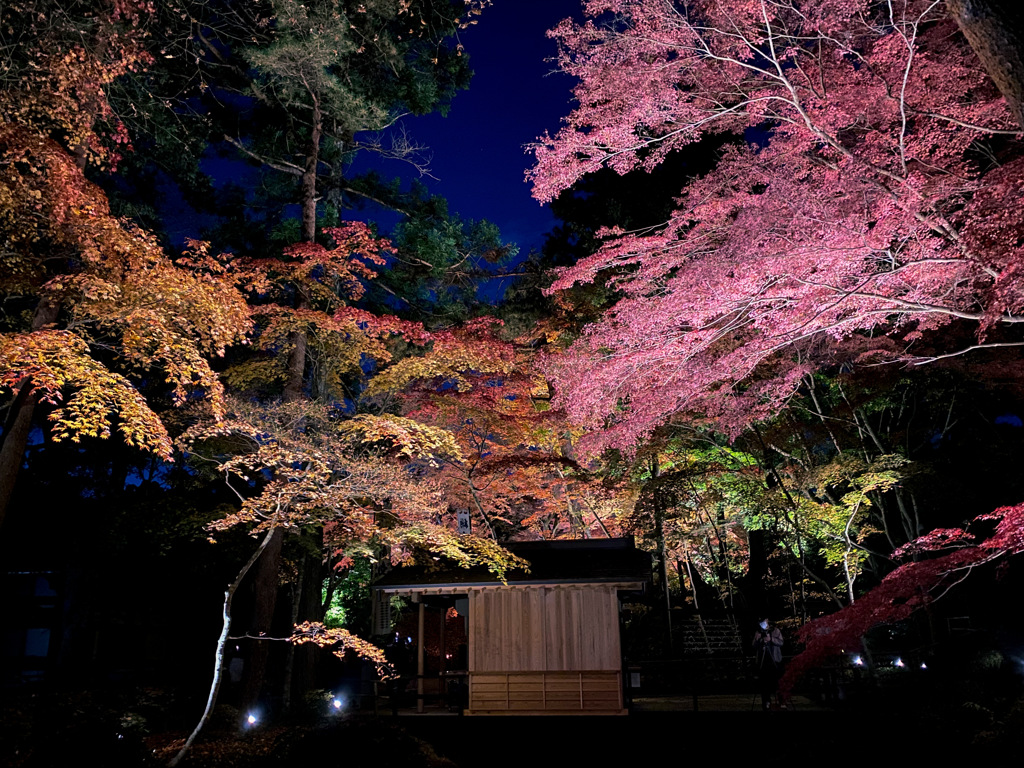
(725,738)
(739,736)
(728,730)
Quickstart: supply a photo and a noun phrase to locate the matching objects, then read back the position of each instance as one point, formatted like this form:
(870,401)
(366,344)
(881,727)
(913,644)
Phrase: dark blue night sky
(477,154)
(478,151)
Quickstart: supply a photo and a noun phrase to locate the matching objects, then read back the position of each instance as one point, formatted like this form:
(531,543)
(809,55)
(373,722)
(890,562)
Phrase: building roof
(586,561)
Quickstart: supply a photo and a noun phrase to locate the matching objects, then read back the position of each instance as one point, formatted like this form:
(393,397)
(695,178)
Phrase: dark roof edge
(423,586)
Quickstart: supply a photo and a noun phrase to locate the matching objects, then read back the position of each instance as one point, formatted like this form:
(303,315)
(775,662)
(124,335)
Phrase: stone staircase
(710,637)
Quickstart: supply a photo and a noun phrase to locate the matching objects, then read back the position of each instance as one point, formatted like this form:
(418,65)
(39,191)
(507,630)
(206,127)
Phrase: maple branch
(970,126)
(906,77)
(933,358)
(917,306)
(277,165)
(258,637)
(966,572)
(480,508)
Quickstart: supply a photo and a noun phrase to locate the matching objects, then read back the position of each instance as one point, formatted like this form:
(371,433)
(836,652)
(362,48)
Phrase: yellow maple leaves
(53,363)
(112,288)
(412,438)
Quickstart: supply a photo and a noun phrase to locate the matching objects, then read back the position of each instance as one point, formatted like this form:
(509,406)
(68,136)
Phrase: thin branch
(933,358)
(277,165)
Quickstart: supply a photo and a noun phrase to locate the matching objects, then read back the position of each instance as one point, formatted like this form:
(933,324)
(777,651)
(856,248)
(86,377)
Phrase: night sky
(477,152)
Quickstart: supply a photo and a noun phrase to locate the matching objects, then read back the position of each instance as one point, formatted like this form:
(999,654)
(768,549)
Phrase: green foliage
(350,601)
(441,260)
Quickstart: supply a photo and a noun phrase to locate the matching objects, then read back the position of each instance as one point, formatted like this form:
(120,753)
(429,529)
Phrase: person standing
(768,648)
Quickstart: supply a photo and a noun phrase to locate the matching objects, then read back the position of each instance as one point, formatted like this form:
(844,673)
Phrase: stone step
(711,637)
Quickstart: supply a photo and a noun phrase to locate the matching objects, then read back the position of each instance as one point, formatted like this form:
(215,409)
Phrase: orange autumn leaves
(495,449)
(446,416)
(120,305)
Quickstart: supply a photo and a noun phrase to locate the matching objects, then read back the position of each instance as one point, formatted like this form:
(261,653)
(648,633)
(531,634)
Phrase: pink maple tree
(859,210)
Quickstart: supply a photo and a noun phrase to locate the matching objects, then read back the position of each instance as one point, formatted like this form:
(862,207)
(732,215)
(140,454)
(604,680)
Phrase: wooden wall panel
(584,692)
(486,635)
(544,628)
(555,654)
(600,636)
(535,628)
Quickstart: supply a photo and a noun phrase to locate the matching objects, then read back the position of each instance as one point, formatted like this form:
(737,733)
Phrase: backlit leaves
(857,211)
(111,287)
(91,399)
(412,438)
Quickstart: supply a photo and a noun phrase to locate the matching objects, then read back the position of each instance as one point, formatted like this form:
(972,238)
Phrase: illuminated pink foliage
(858,211)
(909,587)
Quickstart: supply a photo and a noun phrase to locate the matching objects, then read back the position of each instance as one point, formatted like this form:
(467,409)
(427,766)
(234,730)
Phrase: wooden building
(545,642)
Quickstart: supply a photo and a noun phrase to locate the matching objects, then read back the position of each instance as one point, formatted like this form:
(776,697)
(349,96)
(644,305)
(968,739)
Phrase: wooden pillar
(443,662)
(420,666)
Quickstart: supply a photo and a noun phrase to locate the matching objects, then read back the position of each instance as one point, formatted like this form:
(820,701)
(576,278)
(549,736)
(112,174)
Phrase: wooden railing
(588,691)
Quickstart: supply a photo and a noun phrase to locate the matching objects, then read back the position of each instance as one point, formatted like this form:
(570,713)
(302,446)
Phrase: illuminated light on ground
(923,665)
(858,661)
(898,663)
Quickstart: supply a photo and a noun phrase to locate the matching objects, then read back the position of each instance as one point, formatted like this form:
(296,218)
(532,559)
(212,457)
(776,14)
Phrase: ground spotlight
(898,663)
(858,661)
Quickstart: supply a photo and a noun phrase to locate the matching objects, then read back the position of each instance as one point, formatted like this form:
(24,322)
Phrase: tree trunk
(659,523)
(218,659)
(309,177)
(265,594)
(296,369)
(289,651)
(19,418)
(297,355)
(270,565)
(995,30)
(307,605)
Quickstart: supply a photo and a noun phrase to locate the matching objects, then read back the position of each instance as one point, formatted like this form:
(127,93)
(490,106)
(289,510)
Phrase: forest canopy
(774,336)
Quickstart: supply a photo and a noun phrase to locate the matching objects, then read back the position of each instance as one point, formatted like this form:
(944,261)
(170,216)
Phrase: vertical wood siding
(544,629)
(545,649)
